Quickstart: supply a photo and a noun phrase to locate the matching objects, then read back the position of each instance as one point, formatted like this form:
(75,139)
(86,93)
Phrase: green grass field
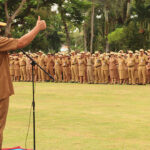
(81,117)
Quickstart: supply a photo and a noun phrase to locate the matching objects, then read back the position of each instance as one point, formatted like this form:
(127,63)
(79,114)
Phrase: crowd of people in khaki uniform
(107,68)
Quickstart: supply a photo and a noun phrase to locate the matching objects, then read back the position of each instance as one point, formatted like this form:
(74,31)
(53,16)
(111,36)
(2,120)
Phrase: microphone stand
(34,63)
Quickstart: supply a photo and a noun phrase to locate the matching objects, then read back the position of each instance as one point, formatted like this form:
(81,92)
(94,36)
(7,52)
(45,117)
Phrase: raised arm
(28,38)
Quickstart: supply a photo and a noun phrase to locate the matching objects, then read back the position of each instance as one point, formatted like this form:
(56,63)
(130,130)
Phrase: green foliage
(128,37)
(116,35)
(113,23)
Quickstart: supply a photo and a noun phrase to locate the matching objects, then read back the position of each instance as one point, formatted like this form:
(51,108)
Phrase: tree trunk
(67,34)
(11,18)
(128,9)
(8,28)
(85,37)
(107,46)
(66,27)
(106,28)
(92,27)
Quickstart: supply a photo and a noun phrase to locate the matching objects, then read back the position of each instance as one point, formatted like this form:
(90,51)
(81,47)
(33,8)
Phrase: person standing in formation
(74,67)
(82,68)
(35,56)
(17,69)
(65,65)
(58,64)
(39,70)
(6,87)
(28,64)
(43,65)
(136,68)
(142,67)
(121,68)
(105,69)
(11,67)
(22,62)
(113,68)
(124,68)
(131,67)
(97,68)
(90,63)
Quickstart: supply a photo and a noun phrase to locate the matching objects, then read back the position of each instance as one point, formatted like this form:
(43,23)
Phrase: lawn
(81,117)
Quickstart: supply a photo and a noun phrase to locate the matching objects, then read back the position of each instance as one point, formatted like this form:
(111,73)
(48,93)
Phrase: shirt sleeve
(7,44)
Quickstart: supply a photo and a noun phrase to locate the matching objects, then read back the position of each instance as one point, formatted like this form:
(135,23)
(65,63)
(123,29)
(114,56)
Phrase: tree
(10,16)
(92,25)
(71,11)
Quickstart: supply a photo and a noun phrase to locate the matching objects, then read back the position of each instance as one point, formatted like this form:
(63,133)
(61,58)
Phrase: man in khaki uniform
(43,65)
(11,66)
(142,67)
(65,65)
(105,69)
(35,56)
(17,69)
(74,67)
(69,68)
(148,70)
(58,65)
(97,68)
(131,67)
(6,87)
(113,68)
(82,68)
(22,62)
(89,64)
(49,65)
(38,61)
(136,68)
(121,68)
(28,66)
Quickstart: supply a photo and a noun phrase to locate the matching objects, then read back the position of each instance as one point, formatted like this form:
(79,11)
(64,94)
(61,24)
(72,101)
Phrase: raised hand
(41,24)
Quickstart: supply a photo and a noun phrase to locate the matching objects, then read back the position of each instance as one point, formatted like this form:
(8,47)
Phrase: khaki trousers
(131,72)
(23,73)
(98,75)
(58,74)
(65,74)
(142,74)
(28,74)
(39,74)
(50,71)
(4,104)
(74,73)
(43,75)
(90,74)
(105,74)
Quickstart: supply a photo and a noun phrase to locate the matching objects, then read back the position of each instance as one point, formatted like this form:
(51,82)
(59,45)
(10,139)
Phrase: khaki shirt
(105,64)
(97,62)
(89,61)
(112,63)
(131,61)
(121,64)
(16,65)
(42,61)
(58,63)
(65,63)
(74,60)
(22,61)
(142,60)
(6,87)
